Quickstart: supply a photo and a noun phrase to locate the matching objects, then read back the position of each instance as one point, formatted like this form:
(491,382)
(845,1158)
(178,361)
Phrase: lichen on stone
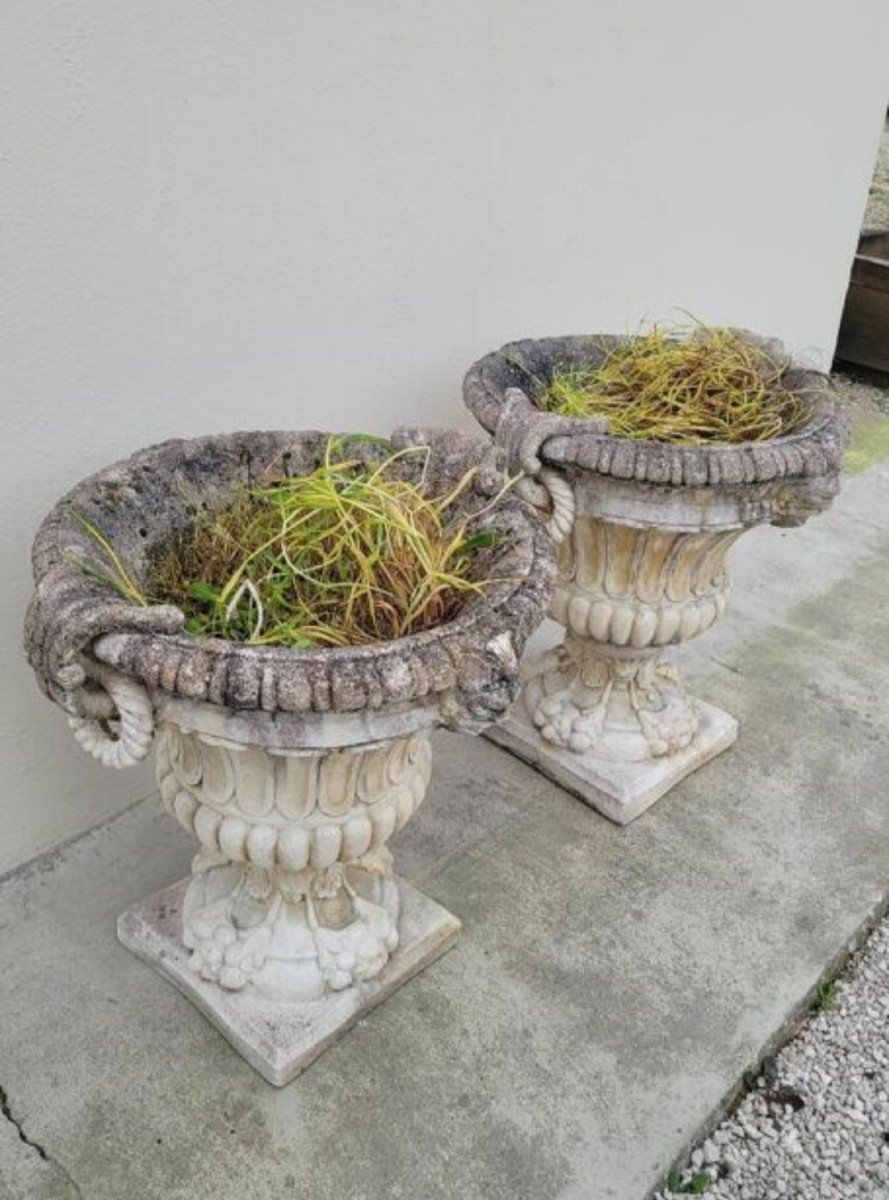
(149,497)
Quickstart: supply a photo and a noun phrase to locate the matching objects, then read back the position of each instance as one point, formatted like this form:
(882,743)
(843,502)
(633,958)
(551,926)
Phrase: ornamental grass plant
(681,385)
(347,555)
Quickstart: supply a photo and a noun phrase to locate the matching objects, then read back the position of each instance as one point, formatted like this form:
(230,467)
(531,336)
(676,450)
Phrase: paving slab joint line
(725,666)
(9,1115)
(785,1033)
(51,854)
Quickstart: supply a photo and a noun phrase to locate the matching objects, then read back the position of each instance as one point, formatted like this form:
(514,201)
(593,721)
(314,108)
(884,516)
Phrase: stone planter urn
(292,768)
(643,530)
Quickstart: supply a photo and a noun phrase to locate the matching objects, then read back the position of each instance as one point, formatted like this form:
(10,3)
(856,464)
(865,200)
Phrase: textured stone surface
(645,529)
(621,791)
(281,1040)
(472,661)
(610,988)
(292,768)
(292,901)
(500,390)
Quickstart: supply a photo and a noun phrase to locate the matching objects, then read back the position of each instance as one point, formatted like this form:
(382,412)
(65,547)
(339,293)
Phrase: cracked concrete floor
(611,985)
(26,1170)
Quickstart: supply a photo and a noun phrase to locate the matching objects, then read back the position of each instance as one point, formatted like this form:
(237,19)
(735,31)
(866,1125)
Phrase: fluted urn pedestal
(292,769)
(643,530)
(606,714)
(292,925)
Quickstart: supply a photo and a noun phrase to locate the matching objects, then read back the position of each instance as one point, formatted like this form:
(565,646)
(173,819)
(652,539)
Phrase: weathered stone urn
(292,768)
(643,529)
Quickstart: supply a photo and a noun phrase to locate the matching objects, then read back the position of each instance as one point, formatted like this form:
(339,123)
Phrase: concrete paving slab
(281,1040)
(611,984)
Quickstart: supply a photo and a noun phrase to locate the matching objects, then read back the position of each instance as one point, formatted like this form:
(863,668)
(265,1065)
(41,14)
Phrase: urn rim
(504,380)
(469,662)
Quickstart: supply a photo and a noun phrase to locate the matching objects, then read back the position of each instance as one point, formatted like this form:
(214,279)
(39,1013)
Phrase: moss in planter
(704,385)
(346,555)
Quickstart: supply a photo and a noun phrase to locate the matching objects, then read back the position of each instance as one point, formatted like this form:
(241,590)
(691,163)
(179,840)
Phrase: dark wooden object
(864,329)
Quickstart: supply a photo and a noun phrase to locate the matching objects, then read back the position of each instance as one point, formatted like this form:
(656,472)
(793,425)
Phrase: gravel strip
(862,399)
(816,1124)
(877,214)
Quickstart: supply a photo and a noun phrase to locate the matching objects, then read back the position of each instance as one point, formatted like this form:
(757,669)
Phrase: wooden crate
(864,329)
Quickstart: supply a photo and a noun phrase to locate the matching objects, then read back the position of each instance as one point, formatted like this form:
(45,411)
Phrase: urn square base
(281,1039)
(620,791)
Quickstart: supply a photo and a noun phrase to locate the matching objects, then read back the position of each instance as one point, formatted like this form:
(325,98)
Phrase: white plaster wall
(220,214)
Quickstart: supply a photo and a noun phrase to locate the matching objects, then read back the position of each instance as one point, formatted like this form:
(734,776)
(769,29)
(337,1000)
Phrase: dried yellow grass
(707,384)
(347,555)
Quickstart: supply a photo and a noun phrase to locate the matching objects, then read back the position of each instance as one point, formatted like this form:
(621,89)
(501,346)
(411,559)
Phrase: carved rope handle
(552,494)
(116,697)
(521,431)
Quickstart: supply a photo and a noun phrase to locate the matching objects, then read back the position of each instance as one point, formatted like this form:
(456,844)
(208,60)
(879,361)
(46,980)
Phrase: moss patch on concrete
(868,446)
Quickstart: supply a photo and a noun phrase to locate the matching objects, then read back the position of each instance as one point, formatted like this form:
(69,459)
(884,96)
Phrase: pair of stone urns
(293,767)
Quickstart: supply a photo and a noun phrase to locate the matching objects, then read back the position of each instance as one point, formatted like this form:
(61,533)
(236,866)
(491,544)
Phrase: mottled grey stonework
(502,387)
(292,768)
(472,661)
(644,529)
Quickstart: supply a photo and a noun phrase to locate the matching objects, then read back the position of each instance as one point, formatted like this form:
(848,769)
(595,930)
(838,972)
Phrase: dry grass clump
(347,555)
(705,385)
